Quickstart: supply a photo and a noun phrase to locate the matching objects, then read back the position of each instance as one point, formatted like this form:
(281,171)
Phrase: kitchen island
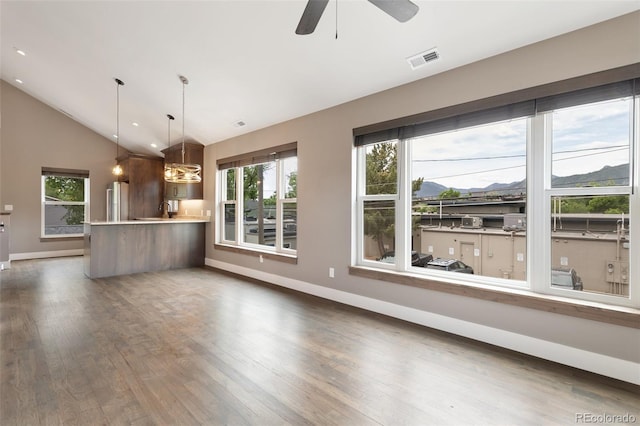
(151,244)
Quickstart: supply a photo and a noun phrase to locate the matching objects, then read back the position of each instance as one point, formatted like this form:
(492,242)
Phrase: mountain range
(617,175)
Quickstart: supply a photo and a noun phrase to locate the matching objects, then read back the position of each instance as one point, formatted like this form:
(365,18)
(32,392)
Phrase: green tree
(449,193)
(616,204)
(574,205)
(382,178)
(251,181)
(62,188)
(292,186)
(382,169)
(231,184)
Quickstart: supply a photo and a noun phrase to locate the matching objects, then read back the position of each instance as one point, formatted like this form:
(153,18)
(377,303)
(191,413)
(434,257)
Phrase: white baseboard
(597,363)
(45,254)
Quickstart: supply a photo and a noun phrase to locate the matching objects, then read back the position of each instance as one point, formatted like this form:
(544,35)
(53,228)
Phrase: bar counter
(145,245)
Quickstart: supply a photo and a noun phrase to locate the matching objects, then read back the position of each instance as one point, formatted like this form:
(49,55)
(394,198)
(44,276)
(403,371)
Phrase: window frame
(539,192)
(281,200)
(44,203)
(363,198)
(224,202)
(276,155)
(541,277)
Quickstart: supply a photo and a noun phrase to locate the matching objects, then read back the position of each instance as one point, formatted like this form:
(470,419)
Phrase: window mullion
(87,204)
(360,193)
(239,205)
(403,207)
(538,163)
(279,199)
(634,205)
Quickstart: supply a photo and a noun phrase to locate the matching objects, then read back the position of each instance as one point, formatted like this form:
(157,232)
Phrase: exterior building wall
(501,254)
(490,253)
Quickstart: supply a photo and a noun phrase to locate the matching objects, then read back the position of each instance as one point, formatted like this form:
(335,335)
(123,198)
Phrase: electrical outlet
(332,273)
(8,207)
(261,259)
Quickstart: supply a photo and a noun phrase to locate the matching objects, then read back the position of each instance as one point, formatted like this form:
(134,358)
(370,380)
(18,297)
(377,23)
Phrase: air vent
(421,59)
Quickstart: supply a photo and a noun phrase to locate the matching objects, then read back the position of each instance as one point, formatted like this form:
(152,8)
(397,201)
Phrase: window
(535,195)
(65,202)
(378,203)
(466,184)
(588,189)
(258,200)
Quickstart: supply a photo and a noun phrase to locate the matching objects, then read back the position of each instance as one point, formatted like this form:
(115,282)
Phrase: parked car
(417,259)
(452,265)
(566,278)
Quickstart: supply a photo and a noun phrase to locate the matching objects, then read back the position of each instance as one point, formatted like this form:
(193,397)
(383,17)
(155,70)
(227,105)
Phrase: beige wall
(325,188)
(34,135)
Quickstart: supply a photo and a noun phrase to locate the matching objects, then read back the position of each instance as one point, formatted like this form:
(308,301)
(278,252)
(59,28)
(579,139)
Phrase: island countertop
(154,220)
(133,246)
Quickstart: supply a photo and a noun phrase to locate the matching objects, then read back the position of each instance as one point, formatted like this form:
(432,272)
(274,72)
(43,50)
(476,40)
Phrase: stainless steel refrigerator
(117,201)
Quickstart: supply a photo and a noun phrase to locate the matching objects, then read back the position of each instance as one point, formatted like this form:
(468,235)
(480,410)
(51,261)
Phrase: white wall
(325,202)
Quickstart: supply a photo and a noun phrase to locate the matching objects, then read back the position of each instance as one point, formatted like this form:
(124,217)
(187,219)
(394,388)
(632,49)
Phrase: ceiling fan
(401,10)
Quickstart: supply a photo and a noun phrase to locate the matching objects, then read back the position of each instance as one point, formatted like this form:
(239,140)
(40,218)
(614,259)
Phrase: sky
(585,139)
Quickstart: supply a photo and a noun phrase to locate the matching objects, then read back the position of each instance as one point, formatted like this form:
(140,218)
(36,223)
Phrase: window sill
(73,237)
(617,315)
(280,257)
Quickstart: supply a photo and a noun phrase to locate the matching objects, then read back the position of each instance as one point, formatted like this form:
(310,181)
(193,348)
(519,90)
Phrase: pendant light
(182,172)
(117,169)
(170,117)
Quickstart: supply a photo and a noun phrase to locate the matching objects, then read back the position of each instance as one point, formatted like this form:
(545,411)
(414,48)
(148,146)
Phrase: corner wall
(35,135)
(326,200)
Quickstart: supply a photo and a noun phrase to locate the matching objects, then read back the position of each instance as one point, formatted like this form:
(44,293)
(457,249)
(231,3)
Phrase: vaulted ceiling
(243,59)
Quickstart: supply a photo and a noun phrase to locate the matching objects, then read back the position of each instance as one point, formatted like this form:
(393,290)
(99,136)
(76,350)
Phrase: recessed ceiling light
(134,124)
(20,52)
(153,145)
(19,81)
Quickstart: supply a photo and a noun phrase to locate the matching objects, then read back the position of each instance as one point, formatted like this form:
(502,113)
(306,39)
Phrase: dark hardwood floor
(195,346)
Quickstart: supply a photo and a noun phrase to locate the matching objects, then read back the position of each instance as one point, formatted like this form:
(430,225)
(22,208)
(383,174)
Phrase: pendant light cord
(184,83)
(119,83)
(336,19)
(170,117)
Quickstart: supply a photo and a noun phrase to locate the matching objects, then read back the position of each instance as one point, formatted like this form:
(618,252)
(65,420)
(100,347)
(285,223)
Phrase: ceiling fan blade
(311,16)
(401,10)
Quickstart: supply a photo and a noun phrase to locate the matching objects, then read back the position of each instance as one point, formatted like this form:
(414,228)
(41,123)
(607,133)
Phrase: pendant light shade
(117,169)
(182,172)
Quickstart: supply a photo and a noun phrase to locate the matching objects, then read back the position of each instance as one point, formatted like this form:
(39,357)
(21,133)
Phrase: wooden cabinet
(146,184)
(193,154)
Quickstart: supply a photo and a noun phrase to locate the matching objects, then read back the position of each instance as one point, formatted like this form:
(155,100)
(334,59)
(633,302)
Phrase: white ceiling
(243,59)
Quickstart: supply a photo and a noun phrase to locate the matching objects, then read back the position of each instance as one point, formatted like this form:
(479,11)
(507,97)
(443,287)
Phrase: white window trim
(278,248)
(542,282)
(538,211)
(281,200)
(44,203)
(362,198)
